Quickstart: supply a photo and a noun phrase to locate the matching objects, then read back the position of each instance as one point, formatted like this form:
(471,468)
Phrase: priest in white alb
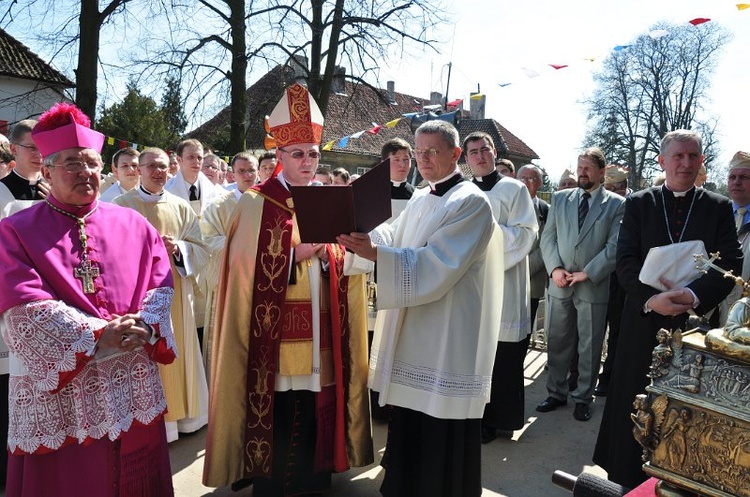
(440,280)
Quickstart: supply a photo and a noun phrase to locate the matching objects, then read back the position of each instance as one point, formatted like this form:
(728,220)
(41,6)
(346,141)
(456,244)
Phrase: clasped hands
(563,278)
(125,333)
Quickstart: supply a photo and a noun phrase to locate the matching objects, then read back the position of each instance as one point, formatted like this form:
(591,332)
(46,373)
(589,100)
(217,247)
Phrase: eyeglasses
(299,154)
(210,166)
(241,172)
(128,166)
(158,167)
(79,167)
(30,148)
(428,152)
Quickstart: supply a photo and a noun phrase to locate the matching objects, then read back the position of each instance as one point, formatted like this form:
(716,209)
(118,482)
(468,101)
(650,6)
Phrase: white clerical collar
(147,196)
(433,185)
(31,182)
(237,193)
(678,194)
(397,183)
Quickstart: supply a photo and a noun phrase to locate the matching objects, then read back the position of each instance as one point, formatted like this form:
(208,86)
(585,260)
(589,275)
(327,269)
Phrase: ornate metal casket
(694,422)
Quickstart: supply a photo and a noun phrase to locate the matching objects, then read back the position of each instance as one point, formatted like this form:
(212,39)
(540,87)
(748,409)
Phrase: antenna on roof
(447,86)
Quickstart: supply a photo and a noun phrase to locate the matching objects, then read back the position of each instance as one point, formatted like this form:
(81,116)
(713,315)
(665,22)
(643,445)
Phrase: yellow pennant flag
(329,145)
(476,96)
(743,6)
(392,124)
(110,140)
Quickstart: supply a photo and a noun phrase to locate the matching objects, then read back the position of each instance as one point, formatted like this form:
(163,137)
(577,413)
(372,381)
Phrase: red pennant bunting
(558,66)
(374,130)
(455,103)
(123,144)
(699,20)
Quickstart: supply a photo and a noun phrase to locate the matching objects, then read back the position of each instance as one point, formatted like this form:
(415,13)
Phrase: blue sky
(492,41)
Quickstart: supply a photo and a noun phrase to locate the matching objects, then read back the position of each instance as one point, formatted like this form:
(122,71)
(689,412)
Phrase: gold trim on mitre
(296,118)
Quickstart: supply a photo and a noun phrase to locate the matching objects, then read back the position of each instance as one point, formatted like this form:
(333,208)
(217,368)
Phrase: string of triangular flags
(454,104)
(344,141)
(529,72)
(116,142)
(654,34)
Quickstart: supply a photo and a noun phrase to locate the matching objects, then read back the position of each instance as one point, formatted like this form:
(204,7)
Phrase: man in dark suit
(531,176)
(578,246)
(674,212)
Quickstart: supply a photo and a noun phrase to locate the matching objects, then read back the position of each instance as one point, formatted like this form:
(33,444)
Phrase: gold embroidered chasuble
(228,457)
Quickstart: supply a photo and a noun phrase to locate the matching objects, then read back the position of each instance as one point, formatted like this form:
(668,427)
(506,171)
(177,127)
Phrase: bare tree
(655,85)
(69,29)
(216,41)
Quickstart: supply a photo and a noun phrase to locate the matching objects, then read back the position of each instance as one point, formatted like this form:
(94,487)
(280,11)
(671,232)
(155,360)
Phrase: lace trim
(102,400)
(406,262)
(156,310)
(441,383)
(46,336)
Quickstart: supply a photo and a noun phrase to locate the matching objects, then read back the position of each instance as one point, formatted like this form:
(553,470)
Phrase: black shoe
(582,412)
(550,404)
(601,389)
(488,434)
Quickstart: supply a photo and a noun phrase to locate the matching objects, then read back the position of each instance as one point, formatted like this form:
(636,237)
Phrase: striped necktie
(583,209)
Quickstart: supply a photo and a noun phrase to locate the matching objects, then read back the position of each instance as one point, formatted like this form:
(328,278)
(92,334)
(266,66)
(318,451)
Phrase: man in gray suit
(578,245)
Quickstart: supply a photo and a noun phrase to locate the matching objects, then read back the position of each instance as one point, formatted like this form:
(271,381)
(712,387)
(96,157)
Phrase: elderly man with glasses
(85,315)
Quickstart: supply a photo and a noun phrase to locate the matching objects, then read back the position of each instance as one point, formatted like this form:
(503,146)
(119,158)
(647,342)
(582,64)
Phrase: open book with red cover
(324,212)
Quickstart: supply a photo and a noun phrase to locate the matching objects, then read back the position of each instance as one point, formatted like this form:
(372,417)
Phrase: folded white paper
(675,263)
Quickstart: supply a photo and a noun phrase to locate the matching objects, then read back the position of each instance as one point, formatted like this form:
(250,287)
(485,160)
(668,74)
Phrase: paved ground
(519,467)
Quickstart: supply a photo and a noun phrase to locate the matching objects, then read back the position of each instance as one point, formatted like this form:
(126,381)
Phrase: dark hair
(5,154)
(340,171)
(184,143)
(246,155)
(507,163)
(266,155)
(596,154)
(124,151)
(20,129)
(478,135)
(392,146)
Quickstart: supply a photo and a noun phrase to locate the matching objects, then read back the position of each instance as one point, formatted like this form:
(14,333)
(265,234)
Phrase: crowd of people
(178,294)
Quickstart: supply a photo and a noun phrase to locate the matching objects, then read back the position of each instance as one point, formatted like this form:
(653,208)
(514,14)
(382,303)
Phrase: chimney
(298,63)
(436,98)
(391,85)
(338,85)
(476,106)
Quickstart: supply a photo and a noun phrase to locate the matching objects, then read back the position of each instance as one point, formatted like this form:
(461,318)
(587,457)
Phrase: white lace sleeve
(156,310)
(45,337)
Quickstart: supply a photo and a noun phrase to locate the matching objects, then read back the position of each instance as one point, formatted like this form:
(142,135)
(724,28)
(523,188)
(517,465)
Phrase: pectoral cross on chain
(86,273)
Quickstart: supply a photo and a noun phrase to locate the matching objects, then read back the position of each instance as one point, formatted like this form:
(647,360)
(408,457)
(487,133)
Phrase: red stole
(272,266)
